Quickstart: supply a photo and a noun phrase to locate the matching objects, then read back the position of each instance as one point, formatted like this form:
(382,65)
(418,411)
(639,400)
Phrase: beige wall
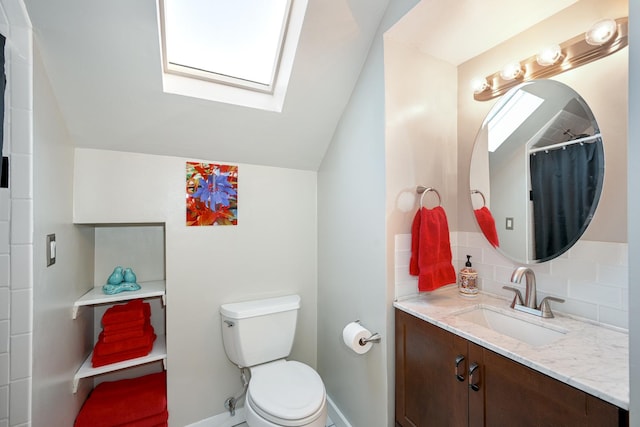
(271,252)
(603,85)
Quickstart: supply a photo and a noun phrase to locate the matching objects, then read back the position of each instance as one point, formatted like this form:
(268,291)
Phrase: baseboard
(222,420)
(226,420)
(336,416)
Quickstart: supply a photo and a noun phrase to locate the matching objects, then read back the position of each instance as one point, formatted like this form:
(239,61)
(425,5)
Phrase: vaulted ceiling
(103,63)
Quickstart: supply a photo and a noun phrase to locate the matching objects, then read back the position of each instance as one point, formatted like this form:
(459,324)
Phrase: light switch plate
(509,223)
(51,249)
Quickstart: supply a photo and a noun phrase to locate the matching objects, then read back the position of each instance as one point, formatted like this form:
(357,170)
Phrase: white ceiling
(103,62)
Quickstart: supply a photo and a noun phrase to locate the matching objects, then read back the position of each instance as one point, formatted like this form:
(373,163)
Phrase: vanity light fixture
(603,38)
(549,55)
(479,84)
(601,32)
(511,71)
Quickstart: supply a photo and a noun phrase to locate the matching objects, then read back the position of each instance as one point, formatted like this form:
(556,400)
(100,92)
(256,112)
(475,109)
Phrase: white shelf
(96,296)
(159,352)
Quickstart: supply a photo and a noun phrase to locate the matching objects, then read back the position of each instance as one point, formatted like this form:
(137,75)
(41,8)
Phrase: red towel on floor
(133,310)
(431,249)
(138,402)
(487,225)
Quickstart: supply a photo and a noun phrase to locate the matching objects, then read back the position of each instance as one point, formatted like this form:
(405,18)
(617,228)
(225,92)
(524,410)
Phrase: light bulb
(549,55)
(479,84)
(511,71)
(601,32)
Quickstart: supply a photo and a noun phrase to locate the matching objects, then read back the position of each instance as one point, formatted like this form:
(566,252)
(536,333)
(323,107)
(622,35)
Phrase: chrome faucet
(530,283)
(530,304)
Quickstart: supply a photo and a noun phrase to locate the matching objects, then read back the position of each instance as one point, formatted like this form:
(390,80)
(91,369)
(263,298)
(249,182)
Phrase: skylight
(241,44)
(509,116)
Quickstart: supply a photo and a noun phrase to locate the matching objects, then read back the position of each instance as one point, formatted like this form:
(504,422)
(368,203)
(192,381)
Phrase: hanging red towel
(487,225)
(130,402)
(431,249)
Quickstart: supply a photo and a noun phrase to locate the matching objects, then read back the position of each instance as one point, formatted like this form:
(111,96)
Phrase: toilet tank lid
(261,307)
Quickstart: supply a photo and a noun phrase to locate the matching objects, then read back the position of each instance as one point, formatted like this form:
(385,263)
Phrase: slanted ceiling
(103,62)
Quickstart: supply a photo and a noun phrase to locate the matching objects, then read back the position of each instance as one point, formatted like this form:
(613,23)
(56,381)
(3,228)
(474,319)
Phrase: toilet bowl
(258,335)
(285,393)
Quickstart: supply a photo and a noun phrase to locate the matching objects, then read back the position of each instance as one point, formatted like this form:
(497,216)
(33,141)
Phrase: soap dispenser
(468,280)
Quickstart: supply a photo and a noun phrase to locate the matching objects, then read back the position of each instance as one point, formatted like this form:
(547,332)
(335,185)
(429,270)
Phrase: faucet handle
(517,298)
(545,308)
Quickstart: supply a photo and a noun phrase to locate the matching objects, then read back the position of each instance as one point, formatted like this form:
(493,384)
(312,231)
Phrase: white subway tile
(595,293)
(612,316)
(21,76)
(613,275)
(573,269)
(4,336)
(4,270)
(5,204)
(4,303)
(22,222)
(20,357)
(22,266)
(21,173)
(21,131)
(19,401)
(601,252)
(21,311)
(4,369)
(4,237)
(4,404)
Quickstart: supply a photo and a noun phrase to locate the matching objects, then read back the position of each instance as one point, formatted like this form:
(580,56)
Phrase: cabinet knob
(459,360)
(474,373)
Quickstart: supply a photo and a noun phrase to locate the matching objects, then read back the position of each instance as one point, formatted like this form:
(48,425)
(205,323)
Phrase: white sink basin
(534,334)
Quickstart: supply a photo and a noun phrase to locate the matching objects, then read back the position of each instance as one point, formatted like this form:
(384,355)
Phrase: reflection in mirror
(536,171)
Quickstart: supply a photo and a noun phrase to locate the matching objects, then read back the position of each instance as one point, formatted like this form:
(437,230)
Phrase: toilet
(259,335)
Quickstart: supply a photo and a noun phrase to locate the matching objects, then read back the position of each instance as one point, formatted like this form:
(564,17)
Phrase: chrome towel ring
(484,201)
(421,189)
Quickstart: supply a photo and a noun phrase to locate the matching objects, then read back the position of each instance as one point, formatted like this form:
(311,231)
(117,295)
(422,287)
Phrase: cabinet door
(516,395)
(428,390)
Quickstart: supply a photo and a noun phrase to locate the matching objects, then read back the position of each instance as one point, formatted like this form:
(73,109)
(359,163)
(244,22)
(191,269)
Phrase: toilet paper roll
(352,333)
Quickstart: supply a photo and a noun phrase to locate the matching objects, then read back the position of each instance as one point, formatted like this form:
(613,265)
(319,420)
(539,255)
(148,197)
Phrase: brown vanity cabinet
(445,380)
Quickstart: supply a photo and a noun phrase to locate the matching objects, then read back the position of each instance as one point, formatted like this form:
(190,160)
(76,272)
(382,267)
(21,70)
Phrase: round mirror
(536,173)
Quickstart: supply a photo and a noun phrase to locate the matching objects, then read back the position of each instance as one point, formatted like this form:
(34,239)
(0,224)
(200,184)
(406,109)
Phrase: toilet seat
(286,393)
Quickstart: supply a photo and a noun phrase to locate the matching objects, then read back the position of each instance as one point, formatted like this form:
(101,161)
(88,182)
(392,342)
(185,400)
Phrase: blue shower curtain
(565,187)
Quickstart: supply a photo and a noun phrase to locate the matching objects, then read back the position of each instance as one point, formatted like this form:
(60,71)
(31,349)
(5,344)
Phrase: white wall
(60,344)
(352,247)
(272,251)
(633,212)
(16,221)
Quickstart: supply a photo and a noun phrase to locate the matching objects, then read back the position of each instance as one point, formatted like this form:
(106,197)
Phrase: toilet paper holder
(374,338)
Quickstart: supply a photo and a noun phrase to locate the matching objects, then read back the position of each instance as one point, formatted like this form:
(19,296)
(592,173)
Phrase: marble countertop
(589,357)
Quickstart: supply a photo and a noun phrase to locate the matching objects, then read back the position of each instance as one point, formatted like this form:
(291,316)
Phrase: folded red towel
(133,310)
(123,402)
(97,361)
(124,334)
(104,349)
(487,225)
(124,326)
(431,249)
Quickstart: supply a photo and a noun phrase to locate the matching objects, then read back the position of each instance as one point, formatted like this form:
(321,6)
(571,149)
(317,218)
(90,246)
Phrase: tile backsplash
(592,277)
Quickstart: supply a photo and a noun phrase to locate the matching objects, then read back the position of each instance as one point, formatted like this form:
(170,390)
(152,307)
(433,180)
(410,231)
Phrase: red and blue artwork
(212,194)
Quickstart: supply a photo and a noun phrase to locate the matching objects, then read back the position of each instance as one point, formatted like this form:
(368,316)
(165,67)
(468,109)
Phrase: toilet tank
(259,331)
